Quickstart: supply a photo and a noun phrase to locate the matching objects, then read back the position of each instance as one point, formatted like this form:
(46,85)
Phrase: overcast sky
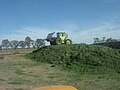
(83,20)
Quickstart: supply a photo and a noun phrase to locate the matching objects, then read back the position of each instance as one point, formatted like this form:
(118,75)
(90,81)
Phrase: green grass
(17,81)
(17,72)
(80,58)
(90,67)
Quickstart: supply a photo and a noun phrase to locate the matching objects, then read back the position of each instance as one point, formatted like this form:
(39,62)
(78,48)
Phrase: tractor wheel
(52,43)
(58,41)
(68,41)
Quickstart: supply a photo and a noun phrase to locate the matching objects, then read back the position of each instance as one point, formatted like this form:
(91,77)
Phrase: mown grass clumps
(80,57)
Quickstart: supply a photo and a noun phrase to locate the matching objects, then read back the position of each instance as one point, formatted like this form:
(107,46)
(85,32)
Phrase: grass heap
(80,58)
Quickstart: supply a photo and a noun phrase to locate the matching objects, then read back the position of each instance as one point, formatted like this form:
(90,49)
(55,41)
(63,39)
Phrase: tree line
(26,43)
(105,40)
(29,43)
(109,42)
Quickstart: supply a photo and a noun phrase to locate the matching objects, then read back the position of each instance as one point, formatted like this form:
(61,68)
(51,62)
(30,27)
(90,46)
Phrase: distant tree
(40,43)
(28,41)
(14,44)
(96,40)
(21,44)
(6,43)
(0,47)
(103,39)
(33,43)
(111,40)
(115,40)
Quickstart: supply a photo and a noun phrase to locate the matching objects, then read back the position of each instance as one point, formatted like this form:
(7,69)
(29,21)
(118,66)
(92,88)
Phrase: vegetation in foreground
(18,73)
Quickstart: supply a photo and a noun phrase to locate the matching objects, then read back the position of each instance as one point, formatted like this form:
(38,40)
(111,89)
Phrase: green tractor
(62,38)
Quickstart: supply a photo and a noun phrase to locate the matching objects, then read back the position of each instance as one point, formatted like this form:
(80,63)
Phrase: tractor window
(59,34)
(63,35)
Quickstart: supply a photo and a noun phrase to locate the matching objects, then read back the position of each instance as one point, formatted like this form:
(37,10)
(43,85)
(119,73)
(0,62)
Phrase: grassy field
(19,73)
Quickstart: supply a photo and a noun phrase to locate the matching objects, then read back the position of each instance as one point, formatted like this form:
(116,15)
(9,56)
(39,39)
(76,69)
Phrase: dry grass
(18,73)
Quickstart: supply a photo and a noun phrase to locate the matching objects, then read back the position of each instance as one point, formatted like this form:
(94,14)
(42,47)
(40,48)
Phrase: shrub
(82,57)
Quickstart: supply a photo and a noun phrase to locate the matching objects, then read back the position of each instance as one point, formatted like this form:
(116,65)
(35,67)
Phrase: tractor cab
(62,35)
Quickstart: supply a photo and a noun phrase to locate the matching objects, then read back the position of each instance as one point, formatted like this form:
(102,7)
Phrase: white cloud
(105,30)
(20,34)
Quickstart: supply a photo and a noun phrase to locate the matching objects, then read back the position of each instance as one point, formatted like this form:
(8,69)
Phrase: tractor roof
(61,32)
